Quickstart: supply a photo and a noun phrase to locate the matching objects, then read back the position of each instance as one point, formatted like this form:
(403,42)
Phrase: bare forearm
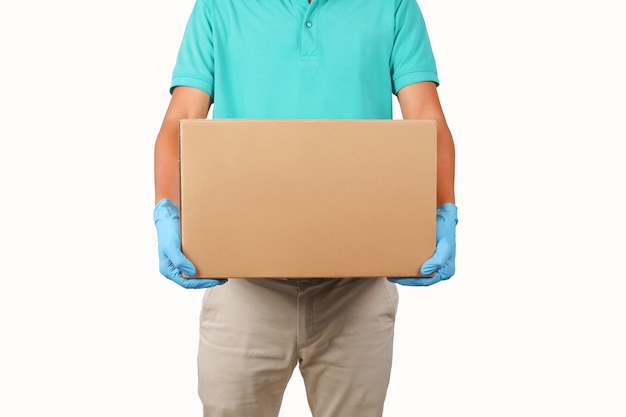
(445,164)
(186,103)
(166,175)
(421,101)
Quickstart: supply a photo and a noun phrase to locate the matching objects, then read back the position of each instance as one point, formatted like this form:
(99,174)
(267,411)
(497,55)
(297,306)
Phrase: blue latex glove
(171,259)
(442,262)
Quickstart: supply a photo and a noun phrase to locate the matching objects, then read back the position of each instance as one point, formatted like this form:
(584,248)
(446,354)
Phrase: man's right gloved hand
(171,259)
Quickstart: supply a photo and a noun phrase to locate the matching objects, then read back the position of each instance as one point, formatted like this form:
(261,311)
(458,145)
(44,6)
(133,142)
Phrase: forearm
(445,164)
(186,103)
(421,101)
(166,174)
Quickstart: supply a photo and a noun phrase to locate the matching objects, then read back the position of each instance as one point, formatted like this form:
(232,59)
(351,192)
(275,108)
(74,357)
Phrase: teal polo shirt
(328,59)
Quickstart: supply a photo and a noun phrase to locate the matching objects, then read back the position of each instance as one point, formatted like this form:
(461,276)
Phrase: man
(325,59)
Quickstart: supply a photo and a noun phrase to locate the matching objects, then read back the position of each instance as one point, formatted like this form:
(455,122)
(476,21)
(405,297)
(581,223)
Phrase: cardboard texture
(308,198)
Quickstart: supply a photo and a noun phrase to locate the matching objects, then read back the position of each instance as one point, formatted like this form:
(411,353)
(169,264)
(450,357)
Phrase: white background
(531,324)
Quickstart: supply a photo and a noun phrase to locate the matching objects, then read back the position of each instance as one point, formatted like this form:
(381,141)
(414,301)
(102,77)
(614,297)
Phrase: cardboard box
(308,198)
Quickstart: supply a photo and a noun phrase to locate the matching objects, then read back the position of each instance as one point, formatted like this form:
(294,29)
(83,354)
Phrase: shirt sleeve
(194,63)
(412,58)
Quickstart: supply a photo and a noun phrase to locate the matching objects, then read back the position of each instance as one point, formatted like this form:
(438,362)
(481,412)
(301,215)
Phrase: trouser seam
(298,320)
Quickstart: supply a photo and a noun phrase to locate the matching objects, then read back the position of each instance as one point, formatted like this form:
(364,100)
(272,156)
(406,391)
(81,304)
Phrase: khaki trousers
(253,332)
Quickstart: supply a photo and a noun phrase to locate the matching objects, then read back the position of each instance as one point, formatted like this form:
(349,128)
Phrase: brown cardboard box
(308,198)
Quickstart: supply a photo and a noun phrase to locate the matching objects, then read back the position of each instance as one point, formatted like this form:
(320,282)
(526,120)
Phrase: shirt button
(309,24)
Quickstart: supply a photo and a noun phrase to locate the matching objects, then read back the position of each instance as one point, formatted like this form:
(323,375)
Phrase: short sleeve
(412,58)
(194,63)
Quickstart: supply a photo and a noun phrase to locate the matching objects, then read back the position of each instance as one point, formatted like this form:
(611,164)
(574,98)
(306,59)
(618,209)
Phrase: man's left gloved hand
(442,262)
